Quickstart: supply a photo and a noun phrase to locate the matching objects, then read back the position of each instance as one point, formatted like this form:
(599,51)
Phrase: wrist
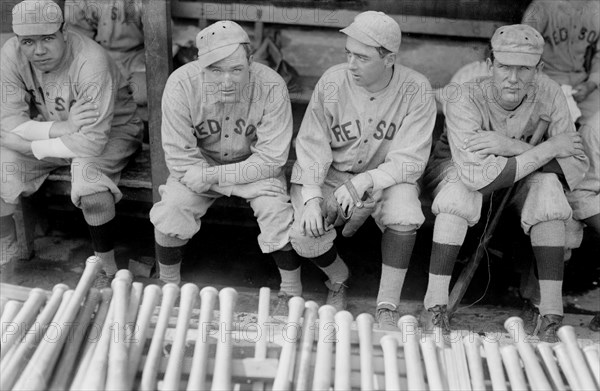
(314,200)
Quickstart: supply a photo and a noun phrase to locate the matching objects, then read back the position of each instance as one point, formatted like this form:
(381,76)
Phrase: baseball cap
(218,41)
(517,44)
(36,17)
(375,28)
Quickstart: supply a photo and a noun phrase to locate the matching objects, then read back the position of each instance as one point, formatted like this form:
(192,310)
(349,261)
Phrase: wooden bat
(593,360)
(66,363)
(533,369)
(494,364)
(430,358)
(41,365)
(118,360)
(11,310)
(306,347)
(510,358)
(567,336)
(389,345)
(208,298)
(472,344)
(285,369)
(452,369)
(562,355)
(324,357)
(545,351)
(408,326)
(135,297)
(343,321)
(169,295)
(440,344)
(172,378)
(150,300)
(460,359)
(260,349)
(223,357)
(22,321)
(364,324)
(15,361)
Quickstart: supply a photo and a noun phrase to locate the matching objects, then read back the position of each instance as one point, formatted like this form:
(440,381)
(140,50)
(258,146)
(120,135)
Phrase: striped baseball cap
(36,17)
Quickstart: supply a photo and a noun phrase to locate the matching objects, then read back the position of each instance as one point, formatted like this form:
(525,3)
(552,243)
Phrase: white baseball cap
(218,41)
(36,17)
(377,29)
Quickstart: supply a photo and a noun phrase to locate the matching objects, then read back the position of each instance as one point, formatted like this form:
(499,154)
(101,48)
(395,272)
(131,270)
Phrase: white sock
(437,290)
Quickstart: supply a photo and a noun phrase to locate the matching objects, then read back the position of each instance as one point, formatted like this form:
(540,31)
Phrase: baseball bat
(510,358)
(222,372)
(545,351)
(172,378)
(118,360)
(64,368)
(208,298)
(364,324)
(452,369)
(593,360)
(23,320)
(389,345)
(306,346)
(3,301)
(150,300)
(562,355)
(494,363)
(567,336)
(432,368)
(17,359)
(472,344)
(324,357)
(41,365)
(135,298)
(414,371)
(169,295)
(533,369)
(440,344)
(460,360)
(343,321)
(285,369)
(11,310)
(260,348)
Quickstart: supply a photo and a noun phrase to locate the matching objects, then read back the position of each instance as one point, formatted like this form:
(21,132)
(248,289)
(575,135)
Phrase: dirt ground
(225,255)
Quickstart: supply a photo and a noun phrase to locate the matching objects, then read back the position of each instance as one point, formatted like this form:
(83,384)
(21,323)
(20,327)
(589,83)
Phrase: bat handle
(364,323)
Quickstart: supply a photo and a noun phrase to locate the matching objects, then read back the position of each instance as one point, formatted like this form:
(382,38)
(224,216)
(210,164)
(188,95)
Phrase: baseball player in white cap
(484,148)
(226,130)
(65,103)
(117,26)
(362,146)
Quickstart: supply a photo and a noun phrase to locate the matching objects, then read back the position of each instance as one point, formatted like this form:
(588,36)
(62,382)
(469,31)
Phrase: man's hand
(16,143)
(268,188)
(494,143)
(194,179)
(312,221)
(582,90)
(80,114)
(362,183)
(567,144)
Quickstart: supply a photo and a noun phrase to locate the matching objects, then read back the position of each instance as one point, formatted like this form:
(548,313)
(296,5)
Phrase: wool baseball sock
(99,213)
(169,262)
(547,241)
(396,250)
(288,263)
(109,265)
(332,265)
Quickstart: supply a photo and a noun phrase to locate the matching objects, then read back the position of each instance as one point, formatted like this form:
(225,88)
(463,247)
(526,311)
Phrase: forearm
(250,170)
(59,129)
(533,159)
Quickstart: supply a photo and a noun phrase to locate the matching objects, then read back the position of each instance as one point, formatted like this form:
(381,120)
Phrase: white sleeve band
(34,130)
(51,148)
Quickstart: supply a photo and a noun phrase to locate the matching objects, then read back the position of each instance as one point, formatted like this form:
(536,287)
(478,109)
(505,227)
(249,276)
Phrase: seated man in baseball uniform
(65,103)
(226,131)
(117,26)
(363,144)
(485,148)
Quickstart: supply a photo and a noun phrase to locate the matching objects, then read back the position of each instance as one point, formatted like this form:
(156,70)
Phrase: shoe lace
(440,317)
(386,316)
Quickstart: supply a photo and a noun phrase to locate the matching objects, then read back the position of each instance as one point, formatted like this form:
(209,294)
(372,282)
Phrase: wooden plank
(268,13)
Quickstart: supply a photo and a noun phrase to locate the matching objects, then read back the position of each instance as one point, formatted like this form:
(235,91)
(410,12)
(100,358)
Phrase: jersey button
(226,136)
(225,154)
(366,141)
(360,162)
(226,118)
(370,120)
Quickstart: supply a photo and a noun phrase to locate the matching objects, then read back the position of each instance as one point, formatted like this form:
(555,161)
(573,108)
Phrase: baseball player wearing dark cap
(484,148)
(117,26)
(362,145)
(86,119)
(226,130)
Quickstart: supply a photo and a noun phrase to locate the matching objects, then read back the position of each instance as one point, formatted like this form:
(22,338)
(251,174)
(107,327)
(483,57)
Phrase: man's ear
(539,67)
(389,60)
(489,64)
(250,59)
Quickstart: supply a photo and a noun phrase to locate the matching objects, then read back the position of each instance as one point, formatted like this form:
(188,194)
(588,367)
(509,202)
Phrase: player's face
(229,77)
(45,52)
(366,66)
(512,82)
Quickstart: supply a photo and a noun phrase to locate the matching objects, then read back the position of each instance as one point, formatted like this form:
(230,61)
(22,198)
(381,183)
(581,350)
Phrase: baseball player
(226,131)
(117,26)
(484,148)
(572,59)
(64,103)
(363,143)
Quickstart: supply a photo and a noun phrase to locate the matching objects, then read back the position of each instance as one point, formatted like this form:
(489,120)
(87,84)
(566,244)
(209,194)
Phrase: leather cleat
(595,323)
(281,307)
(387,316)
(550,325)
(436,316)
(102,280)
(337,296)
(531,317)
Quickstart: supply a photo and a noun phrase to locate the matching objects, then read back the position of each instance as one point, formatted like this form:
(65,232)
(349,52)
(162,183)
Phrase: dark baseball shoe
(531,317)
(337,296)
(281,307)
(550,325)
(387,316)
(595,323)
(102,280)
(436,316)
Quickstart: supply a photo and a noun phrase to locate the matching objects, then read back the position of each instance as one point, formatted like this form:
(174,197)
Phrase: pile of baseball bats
(175,338)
